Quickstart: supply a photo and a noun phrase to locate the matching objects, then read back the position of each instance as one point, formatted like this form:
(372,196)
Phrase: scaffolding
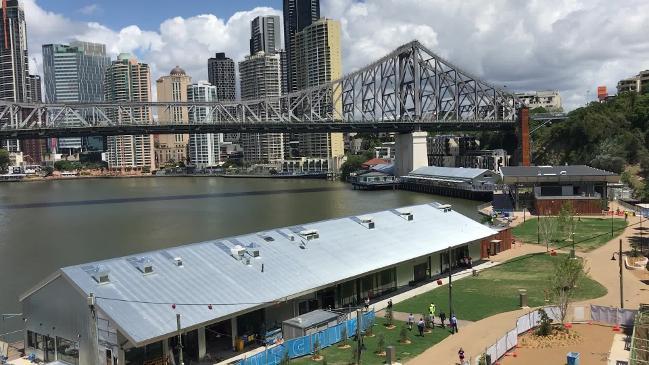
(640,338)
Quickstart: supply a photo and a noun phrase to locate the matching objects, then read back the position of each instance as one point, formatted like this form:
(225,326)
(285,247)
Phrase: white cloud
(569,45)
(90,9)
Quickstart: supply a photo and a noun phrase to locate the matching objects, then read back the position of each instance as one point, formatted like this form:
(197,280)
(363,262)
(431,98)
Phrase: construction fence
(302,346)
(575,314)
(640,338)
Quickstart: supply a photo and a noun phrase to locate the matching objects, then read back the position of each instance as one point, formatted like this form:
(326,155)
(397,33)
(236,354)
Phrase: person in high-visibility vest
(431,313)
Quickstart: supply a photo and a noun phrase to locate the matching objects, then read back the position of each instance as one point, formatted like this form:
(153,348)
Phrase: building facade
(129,80)
(221,74)
(204,148)
(261,77)
(298,14)
(15,80)
(171,149)
(638,83)
(550,100)
(265,35)
(75,73)
(318,60)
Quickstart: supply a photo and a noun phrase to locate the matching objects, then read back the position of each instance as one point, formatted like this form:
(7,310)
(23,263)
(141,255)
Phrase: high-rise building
(34,149)
(15,80)
(265,34)
(204,148)
(318,60)
(128,80)
(298,14)
(75,73)
(261,77)
(172,148)
(221,73)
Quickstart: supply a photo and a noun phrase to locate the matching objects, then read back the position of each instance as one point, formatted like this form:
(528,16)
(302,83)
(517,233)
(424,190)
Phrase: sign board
(602,93)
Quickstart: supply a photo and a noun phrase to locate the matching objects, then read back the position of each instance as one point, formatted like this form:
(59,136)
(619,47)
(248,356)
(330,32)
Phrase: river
(51,224)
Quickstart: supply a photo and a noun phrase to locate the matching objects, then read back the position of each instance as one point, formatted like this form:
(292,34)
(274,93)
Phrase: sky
(568,45)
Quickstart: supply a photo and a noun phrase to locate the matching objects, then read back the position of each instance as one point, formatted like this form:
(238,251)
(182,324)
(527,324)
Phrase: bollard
(390,355)
(522,296)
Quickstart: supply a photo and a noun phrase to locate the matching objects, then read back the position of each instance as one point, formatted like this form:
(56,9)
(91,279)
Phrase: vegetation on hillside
(611,136)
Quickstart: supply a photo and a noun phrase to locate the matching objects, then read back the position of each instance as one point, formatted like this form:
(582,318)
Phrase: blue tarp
(302,346)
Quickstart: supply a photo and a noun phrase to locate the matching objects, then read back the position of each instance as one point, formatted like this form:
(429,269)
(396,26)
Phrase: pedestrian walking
(470,263)
(431,315)
(367,304)
(411,320)
(389,303)
(420,327)
(460,354)
(442,318)
(453,321)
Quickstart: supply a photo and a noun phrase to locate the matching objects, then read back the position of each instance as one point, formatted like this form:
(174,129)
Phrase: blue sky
(148,14)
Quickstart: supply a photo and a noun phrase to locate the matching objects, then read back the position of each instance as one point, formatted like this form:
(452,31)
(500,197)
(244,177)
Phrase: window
(34,340)
(67,351)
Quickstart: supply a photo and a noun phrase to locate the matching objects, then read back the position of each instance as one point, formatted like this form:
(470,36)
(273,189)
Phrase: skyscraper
(298,14)
(221,73)
(172,148)
(318,60)
(261,77)
(75,73)
(265,35)
(15,80)
(204,148)
(128,80)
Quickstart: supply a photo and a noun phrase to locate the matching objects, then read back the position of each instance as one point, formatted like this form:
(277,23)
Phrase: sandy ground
(593,348)
(474,338)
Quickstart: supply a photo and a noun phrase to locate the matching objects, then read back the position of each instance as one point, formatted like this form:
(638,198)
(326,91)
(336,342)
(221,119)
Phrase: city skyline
(487,47)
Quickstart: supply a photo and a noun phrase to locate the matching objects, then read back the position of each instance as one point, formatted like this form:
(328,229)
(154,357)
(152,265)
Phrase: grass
(495,290)
(335,355)
(590,233)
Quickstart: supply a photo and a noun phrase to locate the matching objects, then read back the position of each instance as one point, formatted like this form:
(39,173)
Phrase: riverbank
(233,176)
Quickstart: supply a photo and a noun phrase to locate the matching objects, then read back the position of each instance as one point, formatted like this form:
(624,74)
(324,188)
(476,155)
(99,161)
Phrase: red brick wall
(524,117)
(505,236)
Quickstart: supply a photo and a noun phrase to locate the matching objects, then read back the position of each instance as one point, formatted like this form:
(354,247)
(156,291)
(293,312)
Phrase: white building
(204,148)
(550,100)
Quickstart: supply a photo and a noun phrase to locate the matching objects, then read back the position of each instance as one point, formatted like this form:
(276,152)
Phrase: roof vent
(563,173)
(144,264)
(252,250)
(310,234)
(237,252)
(366,221)
(406,215)
(445,208)
(266,237)
(99,273)
(178,261)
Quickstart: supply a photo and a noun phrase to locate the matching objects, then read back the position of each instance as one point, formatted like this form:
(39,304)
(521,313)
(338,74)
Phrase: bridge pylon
(411,152)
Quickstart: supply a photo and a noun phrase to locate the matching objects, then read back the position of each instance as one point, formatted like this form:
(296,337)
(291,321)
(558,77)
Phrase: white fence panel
(523,324)
(512,339)
(501,347)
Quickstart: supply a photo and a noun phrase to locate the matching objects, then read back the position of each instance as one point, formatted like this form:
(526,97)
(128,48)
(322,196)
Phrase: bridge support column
(411,152)
(524,137)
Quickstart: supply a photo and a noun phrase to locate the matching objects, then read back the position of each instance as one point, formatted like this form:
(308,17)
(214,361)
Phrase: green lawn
(495,290)
(590,233)
(334,355)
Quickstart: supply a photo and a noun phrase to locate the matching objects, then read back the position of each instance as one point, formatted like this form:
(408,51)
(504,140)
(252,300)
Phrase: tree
(545,324)
(388,315)
(548,226)
(4,160)
(380,344)
(566,221)
(403,335)
(343,335)
(567,274)
(352,164)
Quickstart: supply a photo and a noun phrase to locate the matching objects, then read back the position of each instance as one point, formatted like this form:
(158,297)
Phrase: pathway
(475,337)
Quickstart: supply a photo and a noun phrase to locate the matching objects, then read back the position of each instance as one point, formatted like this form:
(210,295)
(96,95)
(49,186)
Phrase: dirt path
(475,337)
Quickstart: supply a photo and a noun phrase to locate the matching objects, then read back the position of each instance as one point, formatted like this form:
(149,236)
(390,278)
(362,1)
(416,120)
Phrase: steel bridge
(410,89)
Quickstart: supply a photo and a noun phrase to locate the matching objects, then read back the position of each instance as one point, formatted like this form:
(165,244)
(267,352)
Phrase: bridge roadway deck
(258,127)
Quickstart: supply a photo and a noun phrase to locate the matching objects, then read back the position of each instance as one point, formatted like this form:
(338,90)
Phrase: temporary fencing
(529,321)
(301,346)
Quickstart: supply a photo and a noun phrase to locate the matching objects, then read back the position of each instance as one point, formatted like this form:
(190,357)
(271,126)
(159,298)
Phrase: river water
(51,224)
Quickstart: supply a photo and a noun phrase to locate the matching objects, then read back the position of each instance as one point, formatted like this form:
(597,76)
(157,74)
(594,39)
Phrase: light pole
(450,284)
(180,341)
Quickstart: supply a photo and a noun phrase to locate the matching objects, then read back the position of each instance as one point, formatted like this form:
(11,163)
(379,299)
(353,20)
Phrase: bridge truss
(409,89)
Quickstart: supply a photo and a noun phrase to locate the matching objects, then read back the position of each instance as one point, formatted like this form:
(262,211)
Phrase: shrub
(380,344)
(545,325)
(403,335)
(343,335)
(316,347)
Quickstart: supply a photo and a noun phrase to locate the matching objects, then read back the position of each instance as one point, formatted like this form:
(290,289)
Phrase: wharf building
(204,148)
(124,309)
(171,149)
(75,73)
(129,80)
(545,189)
(464,151)
(16,83)
(468,183)
(261,77)
(317,56)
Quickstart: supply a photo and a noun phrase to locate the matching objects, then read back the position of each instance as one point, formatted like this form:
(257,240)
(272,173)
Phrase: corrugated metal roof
(469,173)
(570,170)
(292,265)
